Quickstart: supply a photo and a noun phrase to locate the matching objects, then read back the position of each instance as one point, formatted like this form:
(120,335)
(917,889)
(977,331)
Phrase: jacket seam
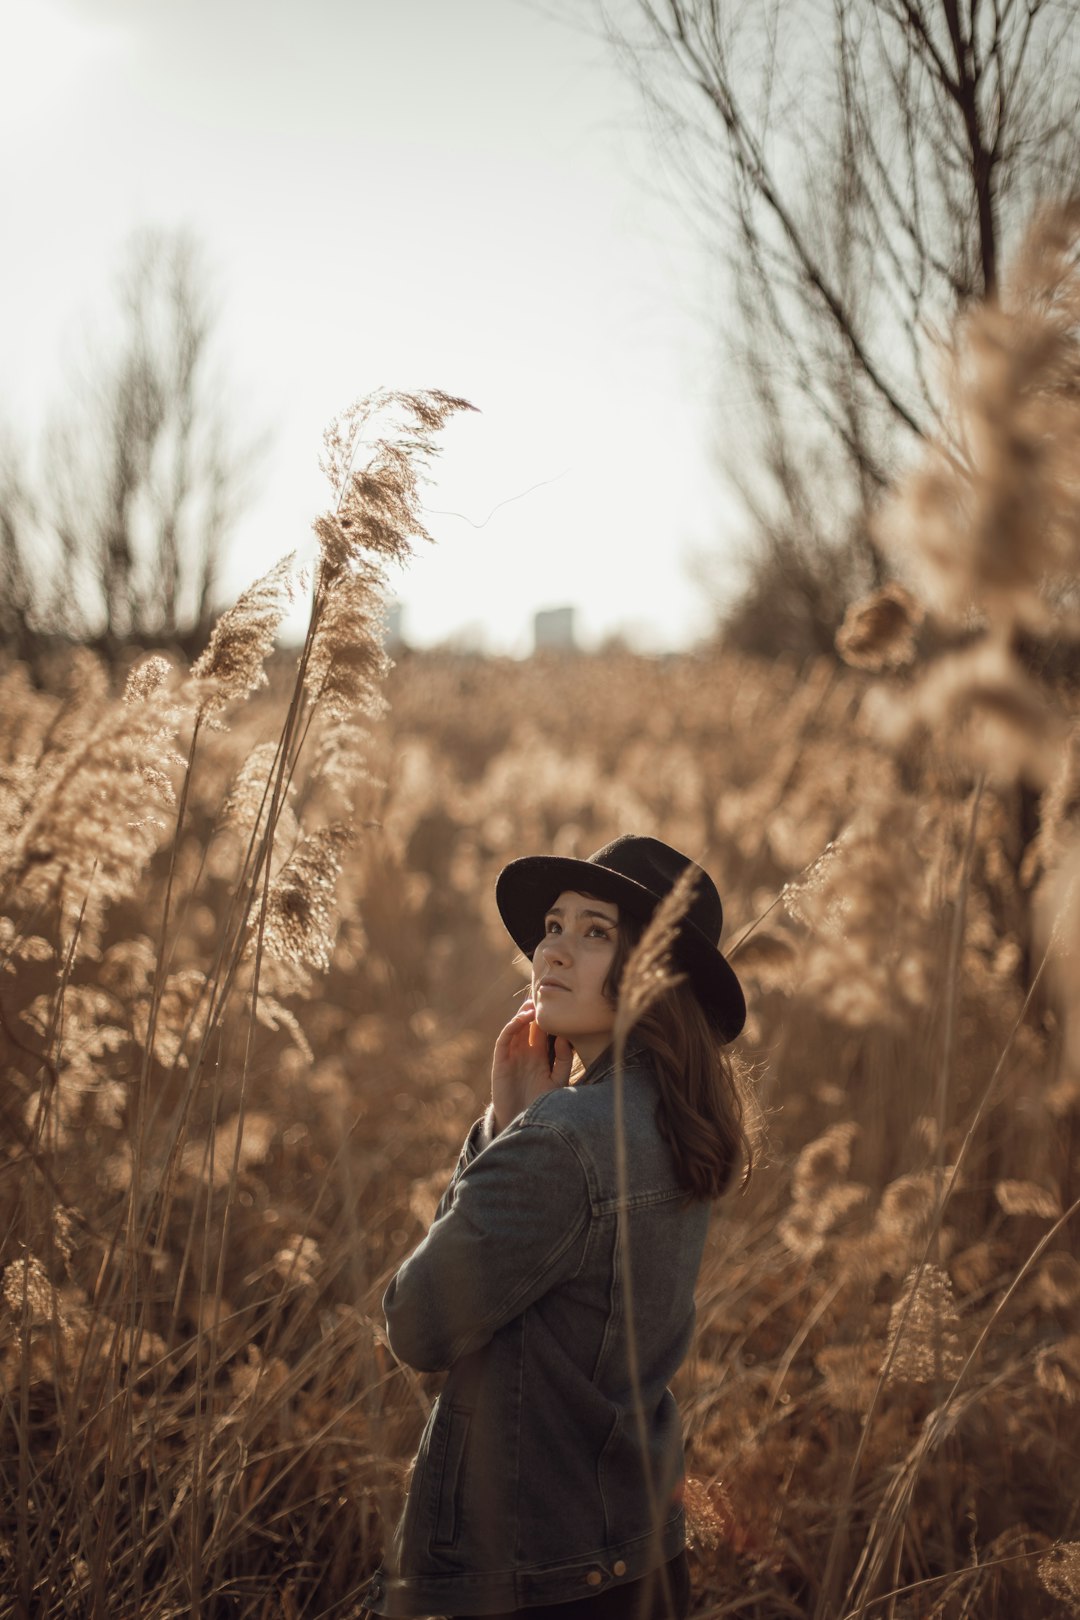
(490,1577)
(648,1200)
(551,1258)
(615,1314)
(517,1461)
(533,1124)
(597,1206)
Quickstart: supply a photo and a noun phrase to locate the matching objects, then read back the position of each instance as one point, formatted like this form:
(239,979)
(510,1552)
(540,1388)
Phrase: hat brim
(527,887)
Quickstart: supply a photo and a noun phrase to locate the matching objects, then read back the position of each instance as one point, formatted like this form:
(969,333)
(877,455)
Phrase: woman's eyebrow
(604,916)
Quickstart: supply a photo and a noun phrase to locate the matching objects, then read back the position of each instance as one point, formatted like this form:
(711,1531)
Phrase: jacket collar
(603,1067)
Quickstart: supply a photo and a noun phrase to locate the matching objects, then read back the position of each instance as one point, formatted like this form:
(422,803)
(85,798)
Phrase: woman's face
(570,966)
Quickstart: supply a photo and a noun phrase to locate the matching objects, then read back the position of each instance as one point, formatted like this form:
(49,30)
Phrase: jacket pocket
(451,1480)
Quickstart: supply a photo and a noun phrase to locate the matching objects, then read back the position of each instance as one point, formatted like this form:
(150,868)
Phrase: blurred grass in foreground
(252,971)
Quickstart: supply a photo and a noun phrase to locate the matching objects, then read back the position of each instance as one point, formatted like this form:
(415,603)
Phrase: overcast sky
(405,193)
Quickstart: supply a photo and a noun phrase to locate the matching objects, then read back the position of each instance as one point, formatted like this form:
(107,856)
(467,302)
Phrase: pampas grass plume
(879,632)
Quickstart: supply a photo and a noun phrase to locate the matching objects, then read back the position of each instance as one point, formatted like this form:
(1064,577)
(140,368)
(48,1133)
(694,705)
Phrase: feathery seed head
(79,814)
(297,1262)
(870,917)
(909,1205)
(992,518)
(879,632)
(925,1330)
(183,1010)
(1059,811)
(257,1375)
(798,896)
(378,509)
(1059,1572)
(1057,1369)
(1057,927)
(974,1267)
(299,919)
(1027,1198)
(649,972)
(799,1232)
(275,1015)
(823,1162)
(242,640)
(340,760)
(348,661)
(249,796)
(710,1516)
(769,959)
(809,1221)
(146,678)
(1056,1284)
(850,1374)
(981,703)
(245,1142)
(26,1288)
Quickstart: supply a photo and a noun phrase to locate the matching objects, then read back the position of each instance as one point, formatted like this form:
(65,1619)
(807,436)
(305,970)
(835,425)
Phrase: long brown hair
(704,1104)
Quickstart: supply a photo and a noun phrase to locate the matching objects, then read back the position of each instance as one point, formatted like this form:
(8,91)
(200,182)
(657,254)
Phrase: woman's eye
(551,927)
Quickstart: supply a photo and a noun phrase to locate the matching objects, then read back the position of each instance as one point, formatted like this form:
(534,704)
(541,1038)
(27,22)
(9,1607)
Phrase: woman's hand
(519,1066)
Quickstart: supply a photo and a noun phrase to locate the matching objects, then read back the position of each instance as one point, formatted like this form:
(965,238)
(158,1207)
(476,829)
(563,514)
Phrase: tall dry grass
(241,1045)
(187,1373)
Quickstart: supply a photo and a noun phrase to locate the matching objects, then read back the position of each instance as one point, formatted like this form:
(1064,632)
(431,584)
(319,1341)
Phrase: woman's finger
(520,1019)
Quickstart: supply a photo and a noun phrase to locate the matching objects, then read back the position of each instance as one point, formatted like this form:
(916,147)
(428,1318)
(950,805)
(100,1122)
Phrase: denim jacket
(530,1483)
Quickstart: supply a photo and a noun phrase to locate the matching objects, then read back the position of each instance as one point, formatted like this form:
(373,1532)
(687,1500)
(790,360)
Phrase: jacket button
(618,1567)
(594,1577)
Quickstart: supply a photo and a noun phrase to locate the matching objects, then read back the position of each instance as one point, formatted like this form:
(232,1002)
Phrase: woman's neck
(591,1048)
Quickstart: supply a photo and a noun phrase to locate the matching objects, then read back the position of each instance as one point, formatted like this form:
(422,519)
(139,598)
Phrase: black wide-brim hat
(635,873)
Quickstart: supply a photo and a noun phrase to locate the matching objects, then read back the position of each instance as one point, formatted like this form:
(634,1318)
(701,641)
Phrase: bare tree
(140,478)
(867,162)
(16,594)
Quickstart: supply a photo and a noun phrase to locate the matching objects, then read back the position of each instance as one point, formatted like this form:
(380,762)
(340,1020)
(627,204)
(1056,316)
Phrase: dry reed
(237,1049)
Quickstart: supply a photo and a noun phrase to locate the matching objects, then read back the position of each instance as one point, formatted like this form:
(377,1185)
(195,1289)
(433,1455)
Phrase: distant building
(393,638)
(553,628)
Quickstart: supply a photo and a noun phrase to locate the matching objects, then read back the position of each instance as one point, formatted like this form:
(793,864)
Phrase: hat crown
(636,873)
(657,867)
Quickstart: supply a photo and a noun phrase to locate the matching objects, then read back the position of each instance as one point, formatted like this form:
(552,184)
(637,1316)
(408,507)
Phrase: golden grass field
(250,976)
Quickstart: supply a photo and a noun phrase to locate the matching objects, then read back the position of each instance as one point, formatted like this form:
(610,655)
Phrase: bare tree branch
(141,475)
(866,163)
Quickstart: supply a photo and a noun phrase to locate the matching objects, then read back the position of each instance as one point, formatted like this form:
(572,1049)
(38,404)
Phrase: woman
(548,1482)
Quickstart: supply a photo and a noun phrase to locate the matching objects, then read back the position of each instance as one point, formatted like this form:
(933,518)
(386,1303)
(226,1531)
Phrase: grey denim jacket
(529,1485)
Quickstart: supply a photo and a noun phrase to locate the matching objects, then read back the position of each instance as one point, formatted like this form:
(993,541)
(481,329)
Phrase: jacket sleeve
(512,1225)
(478,1138)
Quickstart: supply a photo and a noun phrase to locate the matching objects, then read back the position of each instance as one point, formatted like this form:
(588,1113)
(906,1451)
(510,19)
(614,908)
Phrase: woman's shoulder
(589,1105)
(592,1125)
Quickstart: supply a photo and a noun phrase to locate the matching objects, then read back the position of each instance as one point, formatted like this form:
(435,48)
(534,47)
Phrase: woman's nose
(553,948)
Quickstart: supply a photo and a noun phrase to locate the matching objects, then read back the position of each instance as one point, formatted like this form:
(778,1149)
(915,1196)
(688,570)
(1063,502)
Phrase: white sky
(404,193)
